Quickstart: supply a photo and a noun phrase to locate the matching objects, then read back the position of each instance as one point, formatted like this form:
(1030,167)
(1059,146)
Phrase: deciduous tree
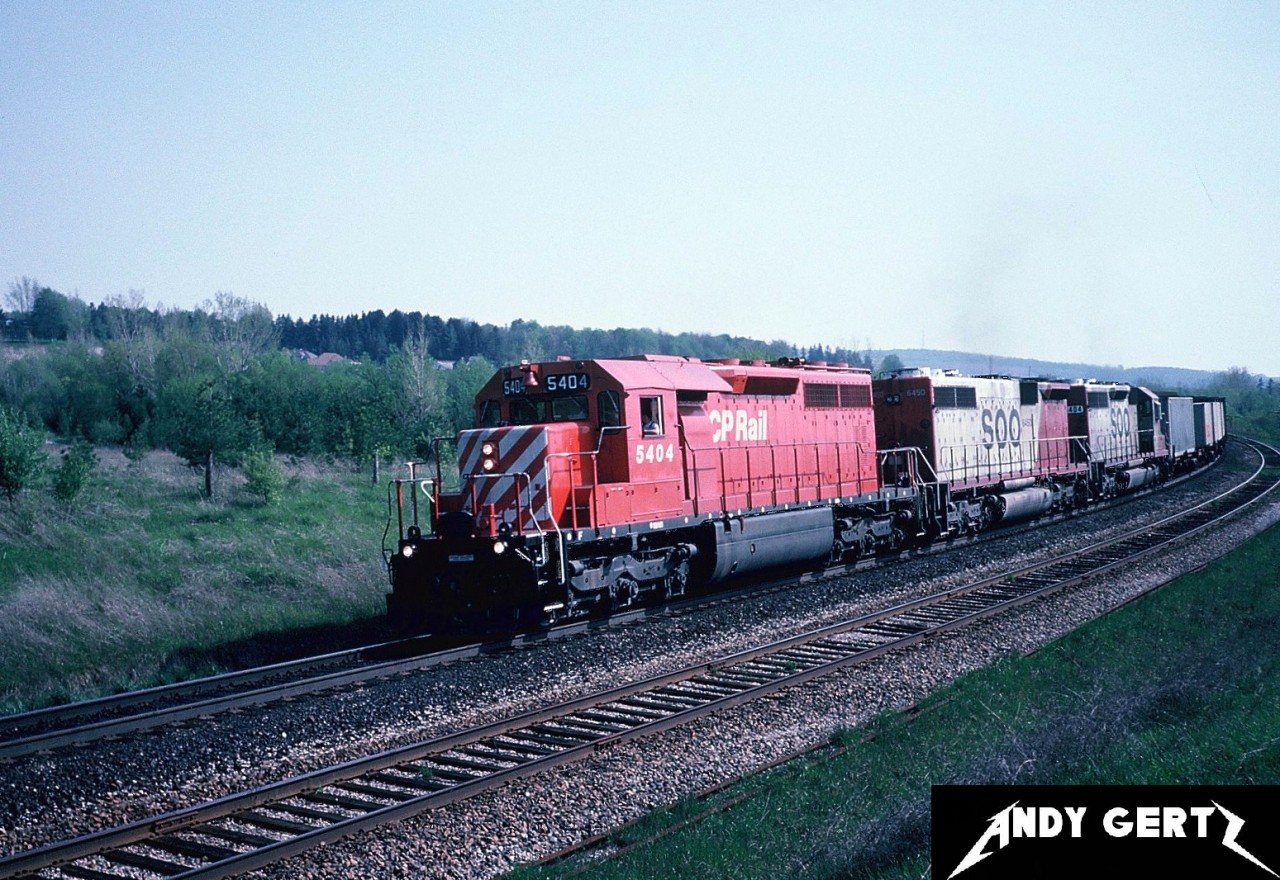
(21,296)
(240,330)
(198,420)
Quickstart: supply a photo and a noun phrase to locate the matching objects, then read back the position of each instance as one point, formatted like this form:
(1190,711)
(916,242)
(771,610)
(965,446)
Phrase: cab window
(609,409)
(537,410)
(524,412)
(568,409)
(651,416)
(490,414)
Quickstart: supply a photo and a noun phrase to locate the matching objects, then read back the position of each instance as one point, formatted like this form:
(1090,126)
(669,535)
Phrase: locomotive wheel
(676,582)
(838,551)
(624,591)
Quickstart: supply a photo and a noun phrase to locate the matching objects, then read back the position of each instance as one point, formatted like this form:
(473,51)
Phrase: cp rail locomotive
(589,486)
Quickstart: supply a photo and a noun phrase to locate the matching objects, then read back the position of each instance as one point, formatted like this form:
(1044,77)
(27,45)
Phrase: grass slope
(144,581)
(1180,687)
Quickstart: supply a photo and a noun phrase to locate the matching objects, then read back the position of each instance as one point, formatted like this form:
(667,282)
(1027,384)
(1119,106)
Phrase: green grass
(144,581)
(1180,687)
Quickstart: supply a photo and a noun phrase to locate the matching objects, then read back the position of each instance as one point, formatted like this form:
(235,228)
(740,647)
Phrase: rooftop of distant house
(312,359)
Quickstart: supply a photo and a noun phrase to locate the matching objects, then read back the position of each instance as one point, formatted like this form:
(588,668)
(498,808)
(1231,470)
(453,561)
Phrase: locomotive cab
(561,449)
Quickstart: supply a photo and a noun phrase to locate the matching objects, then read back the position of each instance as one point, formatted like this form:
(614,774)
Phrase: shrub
(106,431)
(22,460)
(77,463)
(263,476)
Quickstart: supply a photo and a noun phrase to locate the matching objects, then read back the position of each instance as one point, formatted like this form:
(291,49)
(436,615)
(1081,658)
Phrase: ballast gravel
(75,791)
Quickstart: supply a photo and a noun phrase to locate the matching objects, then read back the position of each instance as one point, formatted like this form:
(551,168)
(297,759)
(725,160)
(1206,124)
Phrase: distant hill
(1156,378)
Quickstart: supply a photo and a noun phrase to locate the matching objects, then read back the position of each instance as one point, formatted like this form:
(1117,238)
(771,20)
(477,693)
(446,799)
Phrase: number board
(512,387)
(567,382)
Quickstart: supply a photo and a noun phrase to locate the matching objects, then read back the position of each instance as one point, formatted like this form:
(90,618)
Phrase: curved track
(261,826)
(125,714)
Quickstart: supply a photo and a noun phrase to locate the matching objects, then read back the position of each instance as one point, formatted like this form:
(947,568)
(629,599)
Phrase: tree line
(214,386)
(220,385)
(38,313)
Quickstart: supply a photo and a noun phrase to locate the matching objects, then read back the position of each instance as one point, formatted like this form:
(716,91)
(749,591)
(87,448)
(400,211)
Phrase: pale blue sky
(1072,181)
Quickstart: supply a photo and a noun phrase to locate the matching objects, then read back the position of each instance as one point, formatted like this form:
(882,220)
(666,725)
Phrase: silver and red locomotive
(592,485)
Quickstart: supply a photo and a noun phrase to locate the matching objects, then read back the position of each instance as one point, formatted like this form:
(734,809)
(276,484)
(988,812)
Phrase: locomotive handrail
(573,507)
(435,445)
(413,478)
(1081,444)
(1113,450)
(962,467)
(750,493)
(397,484)
(1056,453)
(555,522)
(431,499)
(592,454)
(915,455)
(515,476)
(987,466)
(983,465)
(573,485)
(572,496)
(592,510)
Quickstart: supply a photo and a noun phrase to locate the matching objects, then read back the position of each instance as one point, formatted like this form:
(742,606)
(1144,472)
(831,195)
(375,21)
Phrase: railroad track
(121,715)
(265,825)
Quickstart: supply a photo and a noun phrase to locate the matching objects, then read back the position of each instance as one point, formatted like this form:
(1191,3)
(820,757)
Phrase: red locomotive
(591,485)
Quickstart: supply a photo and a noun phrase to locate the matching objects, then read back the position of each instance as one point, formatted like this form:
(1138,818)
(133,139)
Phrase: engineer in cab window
(650,412)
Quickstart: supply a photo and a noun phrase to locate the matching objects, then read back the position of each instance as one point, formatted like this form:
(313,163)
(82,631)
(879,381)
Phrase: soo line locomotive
(592,485)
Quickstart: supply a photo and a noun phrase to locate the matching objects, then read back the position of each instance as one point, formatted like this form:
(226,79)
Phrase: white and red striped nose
(506,468)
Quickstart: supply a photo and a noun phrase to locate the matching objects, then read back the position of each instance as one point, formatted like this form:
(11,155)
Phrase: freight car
(589,486)
(1195,428)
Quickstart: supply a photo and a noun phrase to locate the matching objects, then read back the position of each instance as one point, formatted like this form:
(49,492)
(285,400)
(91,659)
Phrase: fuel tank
(744,544)
(1023,504)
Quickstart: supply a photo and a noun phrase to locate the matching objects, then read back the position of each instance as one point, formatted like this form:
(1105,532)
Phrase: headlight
(487,464)
(499,546)
(487,449)
(406,551)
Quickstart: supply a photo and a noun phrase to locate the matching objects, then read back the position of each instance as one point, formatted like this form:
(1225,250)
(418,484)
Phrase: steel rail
(13,725)
(58,737)
(276,821)
(182,701)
